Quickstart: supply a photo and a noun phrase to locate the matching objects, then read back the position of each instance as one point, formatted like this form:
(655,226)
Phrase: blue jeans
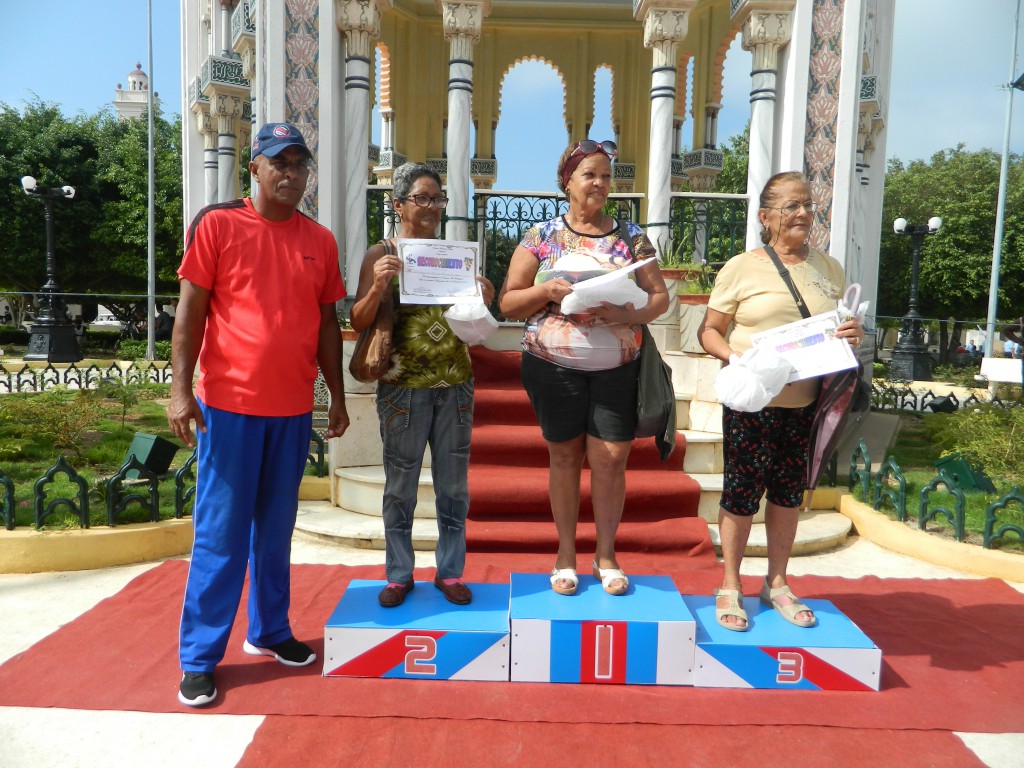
(410,419)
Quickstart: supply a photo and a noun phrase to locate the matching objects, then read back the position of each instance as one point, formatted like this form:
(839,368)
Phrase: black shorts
(765,450)
(569,402)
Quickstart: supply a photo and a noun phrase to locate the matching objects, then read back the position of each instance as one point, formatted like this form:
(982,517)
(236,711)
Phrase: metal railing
(29,378)
(706,227)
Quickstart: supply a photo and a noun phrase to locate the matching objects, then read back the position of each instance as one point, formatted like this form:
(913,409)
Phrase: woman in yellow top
(767,450)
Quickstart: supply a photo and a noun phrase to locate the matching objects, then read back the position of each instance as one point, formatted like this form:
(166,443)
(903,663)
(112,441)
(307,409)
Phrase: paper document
(437,271)
(610,277)
(810,346)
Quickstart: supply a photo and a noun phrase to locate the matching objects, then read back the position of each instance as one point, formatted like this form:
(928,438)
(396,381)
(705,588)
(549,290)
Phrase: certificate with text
(810,345)
(437,271)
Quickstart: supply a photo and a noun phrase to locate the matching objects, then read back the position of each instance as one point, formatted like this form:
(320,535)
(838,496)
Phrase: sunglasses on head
(589,147)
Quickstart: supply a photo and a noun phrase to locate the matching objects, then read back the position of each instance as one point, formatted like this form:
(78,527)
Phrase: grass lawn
(916,448)
(96,453)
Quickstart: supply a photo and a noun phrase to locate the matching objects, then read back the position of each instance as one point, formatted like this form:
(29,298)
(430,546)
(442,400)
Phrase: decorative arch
(384,97)
(611,99)
(682,83)
(718,66)
(508,70)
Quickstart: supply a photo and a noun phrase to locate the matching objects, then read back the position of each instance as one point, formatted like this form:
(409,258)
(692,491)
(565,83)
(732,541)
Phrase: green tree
(961,187)
(100,237)
(736,152)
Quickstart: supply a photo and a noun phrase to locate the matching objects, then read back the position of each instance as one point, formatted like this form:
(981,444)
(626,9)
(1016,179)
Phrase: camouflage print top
(427,354)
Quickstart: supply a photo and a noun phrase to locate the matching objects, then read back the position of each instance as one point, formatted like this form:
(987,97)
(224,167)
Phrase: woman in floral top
(580,370)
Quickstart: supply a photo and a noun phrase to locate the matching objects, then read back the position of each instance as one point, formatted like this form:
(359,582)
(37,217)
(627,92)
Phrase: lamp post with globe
(910,358)
(52,337)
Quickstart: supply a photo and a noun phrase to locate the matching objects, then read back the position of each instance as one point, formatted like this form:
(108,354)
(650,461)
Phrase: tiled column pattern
(823,113)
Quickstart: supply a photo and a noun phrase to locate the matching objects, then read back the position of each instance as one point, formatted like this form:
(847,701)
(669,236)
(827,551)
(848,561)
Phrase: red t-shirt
(267,281)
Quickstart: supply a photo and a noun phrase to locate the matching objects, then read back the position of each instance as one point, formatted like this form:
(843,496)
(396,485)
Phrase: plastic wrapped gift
(750,381)
(471,321)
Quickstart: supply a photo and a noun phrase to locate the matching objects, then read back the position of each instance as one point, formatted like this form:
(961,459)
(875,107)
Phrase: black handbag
(841,393)
(655,395)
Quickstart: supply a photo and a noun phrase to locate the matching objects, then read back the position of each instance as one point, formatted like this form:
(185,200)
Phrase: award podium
(834,655)
(522,631)
(426,637)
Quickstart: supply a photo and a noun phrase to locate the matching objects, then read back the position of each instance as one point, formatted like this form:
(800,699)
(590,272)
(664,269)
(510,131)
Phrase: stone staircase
(352,515)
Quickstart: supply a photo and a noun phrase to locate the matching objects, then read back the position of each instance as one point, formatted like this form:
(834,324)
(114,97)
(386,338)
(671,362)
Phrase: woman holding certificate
(580,370)
(766,450)
(426,398)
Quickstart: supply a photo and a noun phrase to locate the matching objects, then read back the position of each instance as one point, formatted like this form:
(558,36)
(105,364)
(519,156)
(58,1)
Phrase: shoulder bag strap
(624,234)
(788,280)
(386,301)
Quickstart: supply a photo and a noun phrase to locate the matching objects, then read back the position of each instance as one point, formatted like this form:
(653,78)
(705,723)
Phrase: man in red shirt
(259,282)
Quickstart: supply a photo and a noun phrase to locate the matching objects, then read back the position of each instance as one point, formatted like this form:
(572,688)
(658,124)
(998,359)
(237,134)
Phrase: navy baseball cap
(273,138)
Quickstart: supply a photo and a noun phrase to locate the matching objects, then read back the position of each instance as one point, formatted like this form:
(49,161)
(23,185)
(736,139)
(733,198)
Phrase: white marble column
(765,30)
(204,124)
(359,21)
(462,20)
(665,25)
(228,110)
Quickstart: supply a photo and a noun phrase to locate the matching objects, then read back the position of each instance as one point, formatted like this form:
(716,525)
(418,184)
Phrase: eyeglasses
(810,206)
(588,147)
(424,201)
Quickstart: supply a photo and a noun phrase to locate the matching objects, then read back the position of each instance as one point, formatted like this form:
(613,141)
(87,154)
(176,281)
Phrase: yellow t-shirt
(750,289)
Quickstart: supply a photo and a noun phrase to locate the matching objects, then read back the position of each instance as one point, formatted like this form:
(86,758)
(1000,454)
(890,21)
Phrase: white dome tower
(131,102)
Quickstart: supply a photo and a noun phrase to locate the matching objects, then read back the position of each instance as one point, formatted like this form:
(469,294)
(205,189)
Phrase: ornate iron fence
(117,493)
(29,378)
(706,227)
(898,396)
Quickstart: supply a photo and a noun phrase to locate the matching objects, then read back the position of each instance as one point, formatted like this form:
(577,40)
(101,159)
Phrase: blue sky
(948,64)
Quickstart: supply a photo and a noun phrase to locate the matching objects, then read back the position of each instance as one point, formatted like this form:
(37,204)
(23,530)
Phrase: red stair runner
(508,476)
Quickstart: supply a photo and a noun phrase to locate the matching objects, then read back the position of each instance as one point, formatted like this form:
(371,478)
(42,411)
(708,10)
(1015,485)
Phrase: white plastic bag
(471,321)
(750,381)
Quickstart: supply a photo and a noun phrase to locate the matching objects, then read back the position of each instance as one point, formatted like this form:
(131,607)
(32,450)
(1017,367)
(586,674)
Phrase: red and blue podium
(523,631)
(835,655)
(645,637)
(426,637)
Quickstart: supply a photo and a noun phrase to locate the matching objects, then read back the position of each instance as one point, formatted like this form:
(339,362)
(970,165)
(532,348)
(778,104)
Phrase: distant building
(131,102)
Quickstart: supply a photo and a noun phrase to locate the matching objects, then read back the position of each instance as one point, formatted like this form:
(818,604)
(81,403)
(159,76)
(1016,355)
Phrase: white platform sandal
(564,574)
(609,575)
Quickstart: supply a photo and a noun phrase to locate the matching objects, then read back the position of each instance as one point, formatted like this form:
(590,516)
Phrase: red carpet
(324,742)
(953,656)
(508,476)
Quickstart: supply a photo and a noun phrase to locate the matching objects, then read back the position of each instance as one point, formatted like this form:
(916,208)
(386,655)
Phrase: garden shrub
(135,349)
(11,335)
(60,416)
(986,435)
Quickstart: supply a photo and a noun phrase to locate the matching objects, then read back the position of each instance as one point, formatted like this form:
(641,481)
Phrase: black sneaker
(291,652)
(197,689)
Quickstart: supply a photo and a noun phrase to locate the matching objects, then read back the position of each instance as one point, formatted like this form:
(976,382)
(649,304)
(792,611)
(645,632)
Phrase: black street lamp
(910,358)
(52,337)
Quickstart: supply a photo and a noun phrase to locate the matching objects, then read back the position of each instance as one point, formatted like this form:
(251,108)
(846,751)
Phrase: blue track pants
(248,473)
